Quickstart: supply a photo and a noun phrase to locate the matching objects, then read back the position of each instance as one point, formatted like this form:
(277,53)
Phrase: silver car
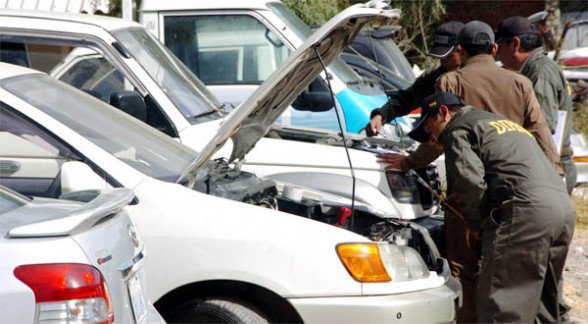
(580,147)
(71,262)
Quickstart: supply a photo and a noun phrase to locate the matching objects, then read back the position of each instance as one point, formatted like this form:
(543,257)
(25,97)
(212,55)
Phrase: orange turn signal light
(363,262)
(581,159)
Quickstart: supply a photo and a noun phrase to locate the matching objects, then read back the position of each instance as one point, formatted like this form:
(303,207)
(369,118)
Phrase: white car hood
(249,122)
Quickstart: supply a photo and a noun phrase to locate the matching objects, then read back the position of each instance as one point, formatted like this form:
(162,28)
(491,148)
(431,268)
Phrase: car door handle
(8,166)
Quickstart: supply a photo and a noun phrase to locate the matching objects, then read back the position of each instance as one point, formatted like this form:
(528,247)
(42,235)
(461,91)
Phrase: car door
(30,159)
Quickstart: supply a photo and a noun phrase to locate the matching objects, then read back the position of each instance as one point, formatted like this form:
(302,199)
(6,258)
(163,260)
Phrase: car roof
(166,5)
(11,70)
(108,23)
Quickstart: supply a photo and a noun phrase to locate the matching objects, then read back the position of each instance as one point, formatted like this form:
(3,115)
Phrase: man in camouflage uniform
(520,48)
(402,102)
(506,187)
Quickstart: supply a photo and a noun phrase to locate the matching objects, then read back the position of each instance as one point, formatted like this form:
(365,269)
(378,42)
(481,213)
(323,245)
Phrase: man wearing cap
(484,85)
(403,101)
(520,48)
(506,187)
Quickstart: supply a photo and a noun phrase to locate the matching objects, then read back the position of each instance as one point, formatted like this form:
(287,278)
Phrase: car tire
(217,310)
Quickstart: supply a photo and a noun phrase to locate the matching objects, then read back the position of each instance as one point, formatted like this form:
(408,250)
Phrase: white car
(580,148)
(210,255)
(68,262)
(108,57)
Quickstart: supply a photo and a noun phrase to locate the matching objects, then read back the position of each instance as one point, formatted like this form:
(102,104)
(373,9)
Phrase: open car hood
(251,120)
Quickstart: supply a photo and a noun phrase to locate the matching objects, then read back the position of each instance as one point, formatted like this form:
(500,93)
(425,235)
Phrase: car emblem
(133,235)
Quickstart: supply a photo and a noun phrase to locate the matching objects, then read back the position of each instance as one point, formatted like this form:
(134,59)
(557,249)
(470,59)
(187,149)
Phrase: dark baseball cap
(430,107)
(445,39)
(476,33)
(515,26)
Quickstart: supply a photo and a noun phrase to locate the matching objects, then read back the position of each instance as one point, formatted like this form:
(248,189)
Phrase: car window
(225,49)
(95,76)
(30,158)
(80,65)
(10,201)
(186,91)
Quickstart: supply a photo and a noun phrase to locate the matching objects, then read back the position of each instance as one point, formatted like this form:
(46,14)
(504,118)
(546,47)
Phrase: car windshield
(10,200)
(131,141)
(338,67)
(399,63)
(184,89)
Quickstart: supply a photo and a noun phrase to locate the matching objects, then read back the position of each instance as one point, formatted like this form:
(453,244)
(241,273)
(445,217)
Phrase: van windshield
(128,139)
(188,93)
(338,67)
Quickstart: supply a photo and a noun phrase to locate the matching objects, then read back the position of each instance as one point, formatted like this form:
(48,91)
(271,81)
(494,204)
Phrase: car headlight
(381,262)
(403,187)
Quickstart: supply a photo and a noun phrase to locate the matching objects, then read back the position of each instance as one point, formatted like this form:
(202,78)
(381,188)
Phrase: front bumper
(436,305)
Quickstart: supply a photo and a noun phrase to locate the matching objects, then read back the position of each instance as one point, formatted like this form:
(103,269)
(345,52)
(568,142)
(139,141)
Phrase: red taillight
(66,282)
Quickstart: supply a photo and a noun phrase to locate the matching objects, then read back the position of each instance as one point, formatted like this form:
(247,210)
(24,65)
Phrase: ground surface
(576,269)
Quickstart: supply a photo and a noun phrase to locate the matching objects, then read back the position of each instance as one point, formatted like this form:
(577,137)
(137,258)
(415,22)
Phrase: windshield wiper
(204,114)
(220,109)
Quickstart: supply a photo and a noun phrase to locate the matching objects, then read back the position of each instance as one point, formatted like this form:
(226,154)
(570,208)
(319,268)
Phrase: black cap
(430,107)
(476,33)
(515,26)
(445,39)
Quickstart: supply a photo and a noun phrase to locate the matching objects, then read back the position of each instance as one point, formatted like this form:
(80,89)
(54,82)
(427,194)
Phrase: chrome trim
(132,266)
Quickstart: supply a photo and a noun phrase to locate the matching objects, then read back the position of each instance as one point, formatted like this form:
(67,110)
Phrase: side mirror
(131,103)
(78,176)
(315,98)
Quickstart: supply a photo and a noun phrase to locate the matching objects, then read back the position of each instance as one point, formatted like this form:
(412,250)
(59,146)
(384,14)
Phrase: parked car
(210,255)
(378,46)
(575,43)
(233,46)
(580,148)
(109,57)
(70,262)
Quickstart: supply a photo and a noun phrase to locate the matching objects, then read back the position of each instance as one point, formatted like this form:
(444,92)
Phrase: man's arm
(535,123)
(402,102)
(420,158)
(465,174)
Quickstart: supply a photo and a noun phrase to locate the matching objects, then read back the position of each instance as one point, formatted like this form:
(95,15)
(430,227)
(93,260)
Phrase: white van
(233,46)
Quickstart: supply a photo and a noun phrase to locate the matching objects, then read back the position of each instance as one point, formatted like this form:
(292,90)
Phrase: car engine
(219,178)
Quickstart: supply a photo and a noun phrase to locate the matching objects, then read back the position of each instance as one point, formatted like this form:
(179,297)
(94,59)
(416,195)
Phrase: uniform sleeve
(465,175)
(546,93)
(402,102)
(447,83)
(421,157)
(535,123)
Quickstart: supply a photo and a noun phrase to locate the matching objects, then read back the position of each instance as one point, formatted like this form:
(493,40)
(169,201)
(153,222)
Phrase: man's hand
(394,160)
(373,127)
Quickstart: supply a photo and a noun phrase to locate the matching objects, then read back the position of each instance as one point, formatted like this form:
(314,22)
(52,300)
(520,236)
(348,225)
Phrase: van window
(225,49)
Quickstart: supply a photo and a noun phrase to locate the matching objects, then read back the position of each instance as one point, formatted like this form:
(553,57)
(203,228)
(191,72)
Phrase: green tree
(418,21)
(315,12)
(115,8)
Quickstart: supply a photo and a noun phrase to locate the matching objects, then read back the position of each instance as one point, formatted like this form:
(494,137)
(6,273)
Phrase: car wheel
(217,310)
